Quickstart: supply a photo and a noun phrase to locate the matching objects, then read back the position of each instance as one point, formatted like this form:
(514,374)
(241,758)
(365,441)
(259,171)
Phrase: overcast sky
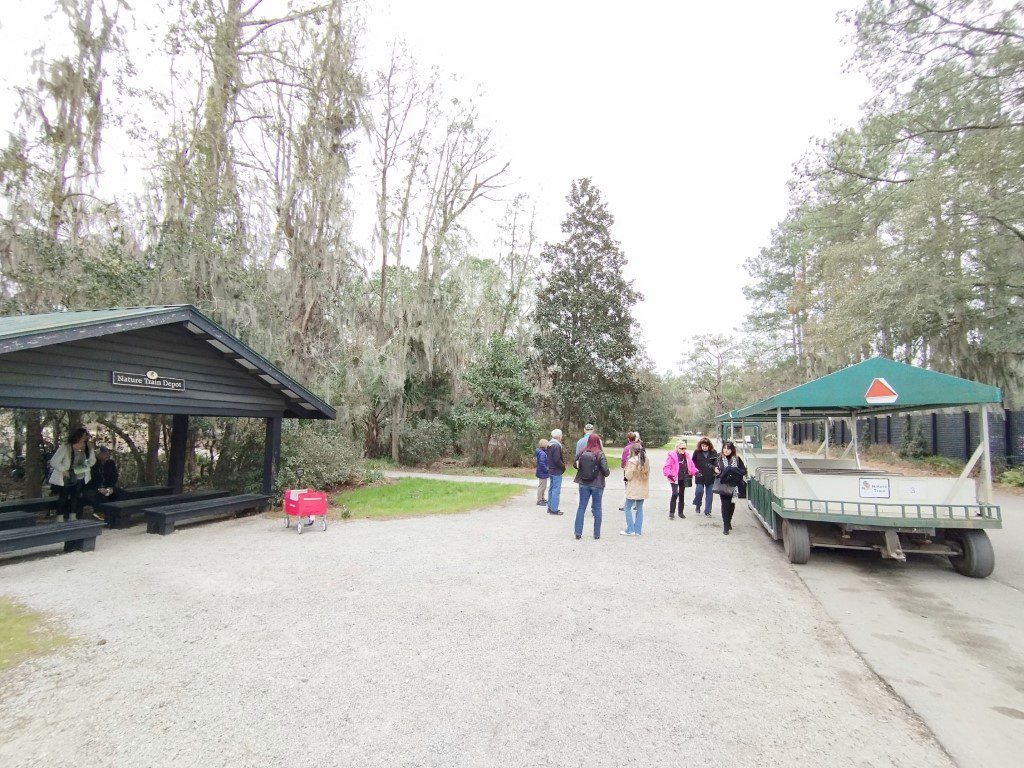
(688,119)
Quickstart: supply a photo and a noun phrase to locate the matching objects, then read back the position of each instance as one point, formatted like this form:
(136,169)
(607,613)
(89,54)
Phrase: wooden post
(935,434)
(271,454)
(856,446)
(778,451)
(967,435)
(986,458)
(176,459)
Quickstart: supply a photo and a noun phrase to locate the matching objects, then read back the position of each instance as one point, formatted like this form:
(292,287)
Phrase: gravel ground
(485,639)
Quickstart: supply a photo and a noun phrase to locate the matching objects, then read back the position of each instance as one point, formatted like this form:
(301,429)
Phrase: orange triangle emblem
(880,392)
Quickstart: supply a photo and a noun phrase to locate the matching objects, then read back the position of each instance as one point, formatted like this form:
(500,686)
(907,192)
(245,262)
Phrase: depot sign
(147,380)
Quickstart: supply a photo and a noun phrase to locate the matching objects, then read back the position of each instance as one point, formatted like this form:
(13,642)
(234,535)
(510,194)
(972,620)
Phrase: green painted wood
(845,392)
(87,345)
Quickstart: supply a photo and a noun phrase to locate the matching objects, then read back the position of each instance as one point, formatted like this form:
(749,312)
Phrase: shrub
(424,442)
(914,445)
(1014,477)
(326,456)
(943,464)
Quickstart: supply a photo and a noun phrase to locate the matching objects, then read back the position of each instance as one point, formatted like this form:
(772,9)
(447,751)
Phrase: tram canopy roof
(874,386)
(166,359)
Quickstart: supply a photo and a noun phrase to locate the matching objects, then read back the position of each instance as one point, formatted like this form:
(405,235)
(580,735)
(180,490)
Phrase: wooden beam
(271,454)
(176,460)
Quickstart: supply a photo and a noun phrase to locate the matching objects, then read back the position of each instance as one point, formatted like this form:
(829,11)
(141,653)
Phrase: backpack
(587,467)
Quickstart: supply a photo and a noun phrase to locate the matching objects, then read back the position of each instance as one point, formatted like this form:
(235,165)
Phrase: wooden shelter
(158,360)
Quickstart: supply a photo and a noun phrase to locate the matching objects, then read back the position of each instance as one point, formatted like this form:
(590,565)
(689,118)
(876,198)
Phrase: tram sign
(880,392)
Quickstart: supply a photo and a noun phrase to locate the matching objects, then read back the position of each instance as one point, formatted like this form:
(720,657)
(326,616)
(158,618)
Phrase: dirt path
(491,638)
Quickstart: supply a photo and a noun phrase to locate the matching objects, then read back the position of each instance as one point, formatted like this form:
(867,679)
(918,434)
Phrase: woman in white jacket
(70,467)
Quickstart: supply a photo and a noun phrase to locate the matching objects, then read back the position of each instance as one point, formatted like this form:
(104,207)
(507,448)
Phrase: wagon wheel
(796,541)
(298,526)
(287,522)
(977,559)
(323,523)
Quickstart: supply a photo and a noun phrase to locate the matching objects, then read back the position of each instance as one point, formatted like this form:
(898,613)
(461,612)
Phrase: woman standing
(631,437)
(70,467)
(704,459)
(638,474)
(541,456)
(730,470)
(591,470)
(679,470)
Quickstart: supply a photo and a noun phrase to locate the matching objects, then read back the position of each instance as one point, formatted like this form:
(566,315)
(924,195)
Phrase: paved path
(484,639)
(951,646)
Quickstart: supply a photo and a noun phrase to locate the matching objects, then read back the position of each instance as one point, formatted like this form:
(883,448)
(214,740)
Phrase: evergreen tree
(586,334)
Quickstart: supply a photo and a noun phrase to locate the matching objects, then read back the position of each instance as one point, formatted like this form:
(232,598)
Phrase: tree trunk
(396,426)
(153,449)
(140,460)
(34,468)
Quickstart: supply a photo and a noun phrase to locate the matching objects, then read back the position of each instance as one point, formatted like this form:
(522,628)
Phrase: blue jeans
(700,489)
(634,526)
(554,492)
(586,494)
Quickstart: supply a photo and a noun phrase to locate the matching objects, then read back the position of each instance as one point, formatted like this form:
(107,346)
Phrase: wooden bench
(121,514)
(162,519)
(45,504)
(10,520)
(143,492)
(77,535)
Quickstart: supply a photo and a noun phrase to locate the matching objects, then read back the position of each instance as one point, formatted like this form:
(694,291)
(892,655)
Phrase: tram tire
(978,559)
(796,541)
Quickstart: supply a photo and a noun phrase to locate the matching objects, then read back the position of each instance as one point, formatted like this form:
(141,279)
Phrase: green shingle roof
(22,325)
(878,385)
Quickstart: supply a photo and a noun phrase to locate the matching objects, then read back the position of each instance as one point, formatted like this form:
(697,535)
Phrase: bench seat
(162,519)
(77,535)
(45,504)
(10,520)
(143,492)
(122,513)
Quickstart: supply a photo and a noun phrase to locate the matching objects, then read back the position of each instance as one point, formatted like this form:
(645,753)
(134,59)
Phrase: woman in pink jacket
(679,470)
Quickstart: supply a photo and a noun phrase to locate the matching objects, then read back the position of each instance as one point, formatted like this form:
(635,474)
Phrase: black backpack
(587,467)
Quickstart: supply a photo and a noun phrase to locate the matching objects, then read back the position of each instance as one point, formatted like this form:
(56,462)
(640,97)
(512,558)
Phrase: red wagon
(306,506)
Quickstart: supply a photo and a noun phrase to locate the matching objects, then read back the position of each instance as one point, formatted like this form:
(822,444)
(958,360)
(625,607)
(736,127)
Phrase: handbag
(724,488)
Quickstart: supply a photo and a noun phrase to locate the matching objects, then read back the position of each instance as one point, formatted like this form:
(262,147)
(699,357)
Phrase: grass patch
(23,634)
(415,497)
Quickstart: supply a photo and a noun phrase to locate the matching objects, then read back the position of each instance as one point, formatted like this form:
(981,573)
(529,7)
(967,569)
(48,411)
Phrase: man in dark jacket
(556,468)
(102,484)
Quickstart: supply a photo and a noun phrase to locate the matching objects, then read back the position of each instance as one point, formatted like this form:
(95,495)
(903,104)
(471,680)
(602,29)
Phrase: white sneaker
(625,533)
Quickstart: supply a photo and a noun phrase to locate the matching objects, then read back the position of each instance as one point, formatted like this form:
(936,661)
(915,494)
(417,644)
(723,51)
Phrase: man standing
(102,484)
(556,468)
(581,444)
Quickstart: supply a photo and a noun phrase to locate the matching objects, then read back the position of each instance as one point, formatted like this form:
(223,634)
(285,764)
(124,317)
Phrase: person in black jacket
(556,468)
(731,471)
(102,485)
(591,470)
(704,458)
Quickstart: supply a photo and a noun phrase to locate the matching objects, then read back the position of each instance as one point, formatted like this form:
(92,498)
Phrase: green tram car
(832,501)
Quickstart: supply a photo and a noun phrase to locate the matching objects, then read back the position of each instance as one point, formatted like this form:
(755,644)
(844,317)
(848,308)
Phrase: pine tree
(586,332)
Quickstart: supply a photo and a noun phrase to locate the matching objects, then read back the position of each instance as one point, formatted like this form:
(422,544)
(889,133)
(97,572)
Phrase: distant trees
(497,417)
(906,233)
(586,337)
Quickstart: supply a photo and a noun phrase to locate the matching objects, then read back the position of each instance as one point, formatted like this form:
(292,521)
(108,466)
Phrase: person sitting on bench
(103,485)
(71,466)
